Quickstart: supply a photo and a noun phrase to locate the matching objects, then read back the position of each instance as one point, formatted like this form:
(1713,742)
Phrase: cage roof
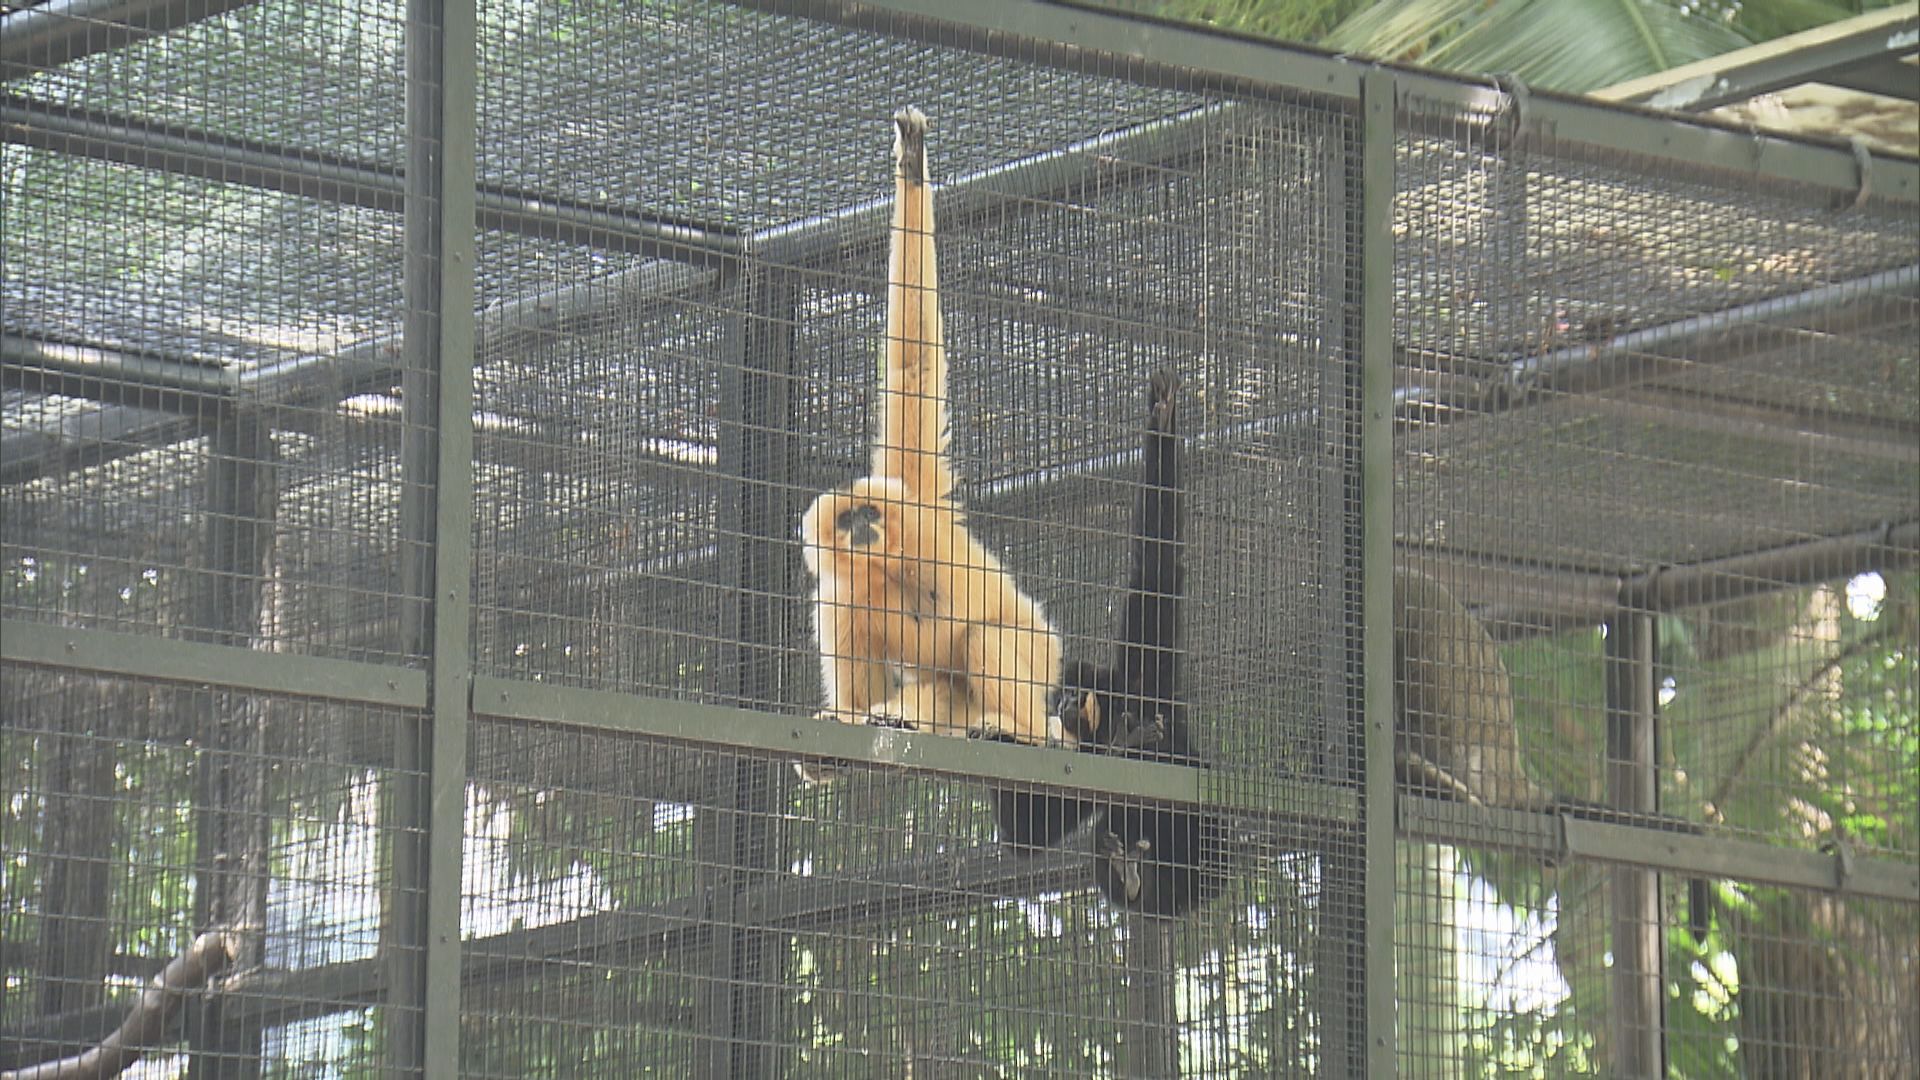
(1733,368)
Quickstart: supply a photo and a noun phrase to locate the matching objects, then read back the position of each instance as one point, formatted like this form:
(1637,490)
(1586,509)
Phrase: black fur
(1154,860)
(1149,859)
(1029,821)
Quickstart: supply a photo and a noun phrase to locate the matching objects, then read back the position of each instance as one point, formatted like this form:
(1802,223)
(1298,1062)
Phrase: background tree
(1571,45)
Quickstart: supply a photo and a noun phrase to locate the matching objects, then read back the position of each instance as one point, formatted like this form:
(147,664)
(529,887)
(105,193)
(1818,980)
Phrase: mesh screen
(156,220)
(1656,436)
(1504,967)
(1650,386)
(115,855)
(859,927)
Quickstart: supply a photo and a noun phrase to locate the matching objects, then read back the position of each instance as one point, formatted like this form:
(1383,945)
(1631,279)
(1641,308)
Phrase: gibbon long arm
(1145,656)
(919,625)
(914,427)
(1155,860)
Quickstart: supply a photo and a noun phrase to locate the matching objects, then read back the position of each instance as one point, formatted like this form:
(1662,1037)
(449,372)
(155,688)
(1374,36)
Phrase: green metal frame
(1557,838)
(448,694)
(806,737)
(1378,120)
(451,661)
(1098,41)
(143,656)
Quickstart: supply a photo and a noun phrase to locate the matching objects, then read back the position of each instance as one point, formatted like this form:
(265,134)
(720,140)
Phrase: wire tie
(1863,170)
(1518,97)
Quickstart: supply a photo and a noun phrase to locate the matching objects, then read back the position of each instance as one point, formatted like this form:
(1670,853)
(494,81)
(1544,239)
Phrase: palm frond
(1572,45)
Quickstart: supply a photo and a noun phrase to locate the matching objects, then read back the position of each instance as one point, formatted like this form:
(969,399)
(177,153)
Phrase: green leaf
(1573,45)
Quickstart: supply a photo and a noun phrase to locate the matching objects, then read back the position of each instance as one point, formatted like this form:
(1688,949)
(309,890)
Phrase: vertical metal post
(1151,1048)
(1377,179)
(241,499)
(77,780)
(740,839)
(421,942)
(1638,1020)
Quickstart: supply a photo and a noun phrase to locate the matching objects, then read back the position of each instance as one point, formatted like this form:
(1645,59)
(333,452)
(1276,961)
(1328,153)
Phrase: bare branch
(1795,699)
(146,1022)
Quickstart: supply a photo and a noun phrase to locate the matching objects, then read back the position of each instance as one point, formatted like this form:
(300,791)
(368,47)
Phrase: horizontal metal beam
(40,36)
(945,882)
(1593,365)
(81,370)
(1887,76)
(1713,581)
(298,382)
(113,654)
(1558,838)
(1098,41)
(919,887)
(335,178)
(744,729)
(91,435)
(112,376)
(1812,433)
(950,882)
(1502,593)
(1809,56)
(1111,158)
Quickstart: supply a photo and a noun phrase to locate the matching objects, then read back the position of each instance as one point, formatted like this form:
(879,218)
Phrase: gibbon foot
(1056,736)
(888,720)
(1124,863)
(1056,739)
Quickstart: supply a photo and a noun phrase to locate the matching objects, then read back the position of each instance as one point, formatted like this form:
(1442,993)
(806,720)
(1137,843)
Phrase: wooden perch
(146,1022)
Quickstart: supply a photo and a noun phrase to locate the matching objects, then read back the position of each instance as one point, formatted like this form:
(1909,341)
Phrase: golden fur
(918,625)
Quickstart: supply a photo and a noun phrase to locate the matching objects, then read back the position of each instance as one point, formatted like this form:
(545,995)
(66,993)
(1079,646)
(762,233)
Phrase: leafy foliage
(1571,45)
(1806,732)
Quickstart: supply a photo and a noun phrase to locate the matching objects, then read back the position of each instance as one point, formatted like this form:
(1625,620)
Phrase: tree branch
(146,1022)
(1795,699)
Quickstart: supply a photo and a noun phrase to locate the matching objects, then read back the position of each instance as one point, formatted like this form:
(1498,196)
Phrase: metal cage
(406,415)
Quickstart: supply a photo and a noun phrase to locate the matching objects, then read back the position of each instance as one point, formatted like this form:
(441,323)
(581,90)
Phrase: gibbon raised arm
(1145,656)
(1153,860)
(919,626)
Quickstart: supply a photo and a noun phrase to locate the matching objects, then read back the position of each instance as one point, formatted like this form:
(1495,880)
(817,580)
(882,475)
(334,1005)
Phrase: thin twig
(1795,699)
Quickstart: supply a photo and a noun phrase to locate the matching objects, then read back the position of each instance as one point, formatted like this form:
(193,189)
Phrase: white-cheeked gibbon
(919,626)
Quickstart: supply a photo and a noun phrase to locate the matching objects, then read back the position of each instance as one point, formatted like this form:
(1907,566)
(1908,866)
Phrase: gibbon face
(870,517)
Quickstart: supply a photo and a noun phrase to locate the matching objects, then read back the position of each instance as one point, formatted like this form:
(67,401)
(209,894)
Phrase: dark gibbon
(1029,821)
(1454,732)
(919,626)
(1154,860)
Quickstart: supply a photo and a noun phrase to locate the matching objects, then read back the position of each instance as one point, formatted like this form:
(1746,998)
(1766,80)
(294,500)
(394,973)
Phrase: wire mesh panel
(1654,608)
(892,941)
(1671,402)
(162,215)
(652,426)
(110,833)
